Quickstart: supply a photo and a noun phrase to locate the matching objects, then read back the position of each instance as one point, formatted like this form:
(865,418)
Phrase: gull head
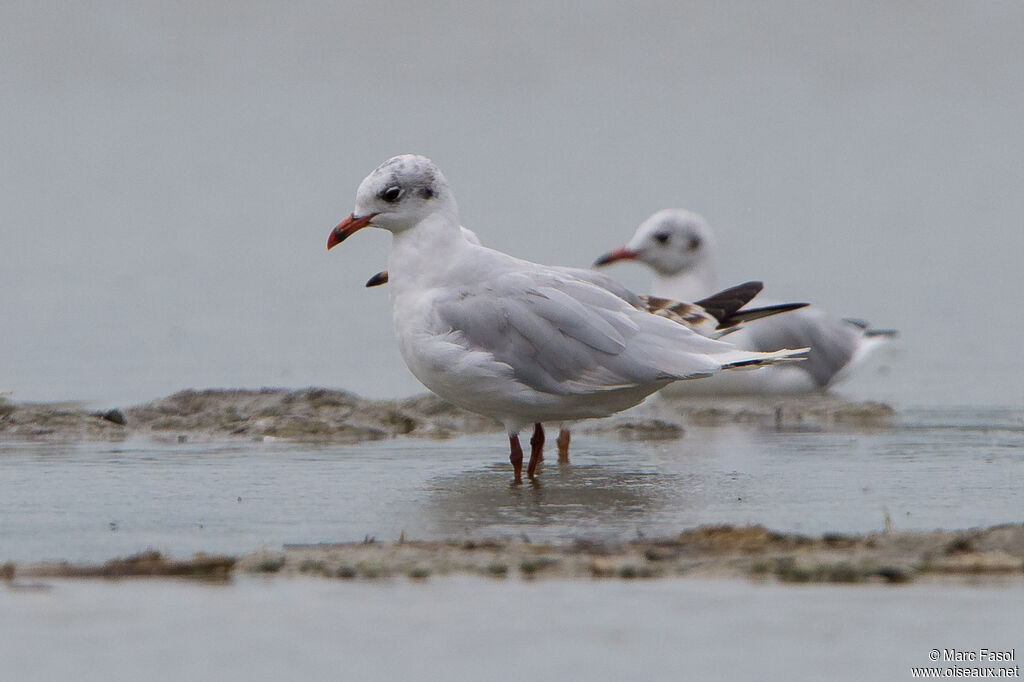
(671,241)
(396,196)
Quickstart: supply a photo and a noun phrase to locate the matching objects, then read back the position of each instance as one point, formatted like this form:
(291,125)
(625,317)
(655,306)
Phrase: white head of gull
(513,340)
(678,245)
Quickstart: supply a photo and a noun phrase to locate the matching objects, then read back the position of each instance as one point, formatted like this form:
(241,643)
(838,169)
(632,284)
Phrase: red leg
(516,457)
(563,445)
(536,449)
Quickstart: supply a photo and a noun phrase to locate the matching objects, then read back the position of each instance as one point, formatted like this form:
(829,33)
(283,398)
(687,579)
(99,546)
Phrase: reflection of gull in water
(724,474)
(678,246)
(514,340)
(591,501)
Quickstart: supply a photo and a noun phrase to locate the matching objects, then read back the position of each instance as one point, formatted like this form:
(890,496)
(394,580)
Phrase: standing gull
(517,341)
(714,317)
(678,245)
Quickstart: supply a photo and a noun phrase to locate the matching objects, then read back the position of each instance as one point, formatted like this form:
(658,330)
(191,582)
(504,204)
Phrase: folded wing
(561,334)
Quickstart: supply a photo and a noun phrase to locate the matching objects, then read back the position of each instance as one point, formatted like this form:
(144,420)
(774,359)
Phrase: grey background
(170,174)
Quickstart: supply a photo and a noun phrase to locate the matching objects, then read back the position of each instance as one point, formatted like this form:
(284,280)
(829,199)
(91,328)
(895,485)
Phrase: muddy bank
(324,415)
(312,414)
(752,552)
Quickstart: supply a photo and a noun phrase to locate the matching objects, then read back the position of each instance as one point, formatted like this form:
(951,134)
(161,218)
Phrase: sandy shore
(753,552)
(324,415)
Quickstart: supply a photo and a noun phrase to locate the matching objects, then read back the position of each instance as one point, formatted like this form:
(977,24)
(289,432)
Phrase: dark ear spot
(427,193)
(694,243)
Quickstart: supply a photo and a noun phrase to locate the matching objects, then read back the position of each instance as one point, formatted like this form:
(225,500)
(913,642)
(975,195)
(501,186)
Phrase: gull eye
(662,237)
(391,194)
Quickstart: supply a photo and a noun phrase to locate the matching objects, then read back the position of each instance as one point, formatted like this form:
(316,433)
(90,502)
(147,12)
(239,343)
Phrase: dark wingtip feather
(726,305)
(723,305)
(750,314)
(863,324)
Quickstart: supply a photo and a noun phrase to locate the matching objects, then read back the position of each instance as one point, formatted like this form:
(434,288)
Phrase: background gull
(679,246)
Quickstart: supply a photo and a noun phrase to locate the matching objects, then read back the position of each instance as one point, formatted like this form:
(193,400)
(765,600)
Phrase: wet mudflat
(94,500)
(810,539)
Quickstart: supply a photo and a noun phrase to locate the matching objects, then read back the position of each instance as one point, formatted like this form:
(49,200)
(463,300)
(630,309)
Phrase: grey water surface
(92,501)
(474,629)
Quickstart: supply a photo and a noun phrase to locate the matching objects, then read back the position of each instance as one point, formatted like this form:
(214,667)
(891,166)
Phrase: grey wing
(605,282)
(565,336)
(833,342)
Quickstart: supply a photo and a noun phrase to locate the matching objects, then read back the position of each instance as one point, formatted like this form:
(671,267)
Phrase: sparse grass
(311,566)
(345,572)
(373,571)
(531,567)
(270,565)
(787,571)
(894,574)
(961,545)
(630,572)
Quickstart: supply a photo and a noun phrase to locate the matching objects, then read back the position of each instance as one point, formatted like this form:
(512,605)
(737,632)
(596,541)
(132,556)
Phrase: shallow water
(93,501)
(473,629)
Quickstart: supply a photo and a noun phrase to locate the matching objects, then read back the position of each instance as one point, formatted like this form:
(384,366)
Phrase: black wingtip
(867,330)
(378,279)
(723,305)
(750,314)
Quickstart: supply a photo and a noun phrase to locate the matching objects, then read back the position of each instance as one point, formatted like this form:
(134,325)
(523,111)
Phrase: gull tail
(868,331)
(743,359)
(870,341)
